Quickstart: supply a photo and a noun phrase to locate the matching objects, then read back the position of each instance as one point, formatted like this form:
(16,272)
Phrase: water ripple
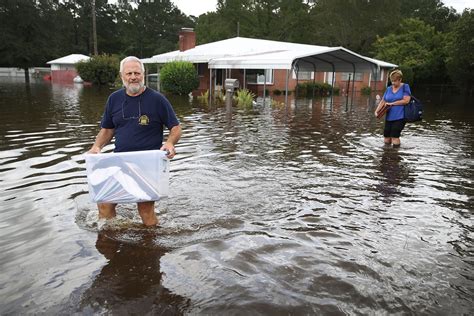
(295,210)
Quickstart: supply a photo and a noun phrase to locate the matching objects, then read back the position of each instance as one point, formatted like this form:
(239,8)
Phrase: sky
(198,7)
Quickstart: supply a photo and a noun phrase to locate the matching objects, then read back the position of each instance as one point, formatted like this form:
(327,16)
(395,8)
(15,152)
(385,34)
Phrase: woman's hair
(131,58)
(396,74)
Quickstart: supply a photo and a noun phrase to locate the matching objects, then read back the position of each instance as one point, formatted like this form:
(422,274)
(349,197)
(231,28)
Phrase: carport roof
(249,53)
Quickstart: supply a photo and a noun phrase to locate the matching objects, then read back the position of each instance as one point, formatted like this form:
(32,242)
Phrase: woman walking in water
(393,102)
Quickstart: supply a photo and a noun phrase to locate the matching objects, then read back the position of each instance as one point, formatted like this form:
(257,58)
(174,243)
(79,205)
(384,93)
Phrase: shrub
(244,98)
(277,92)
(179,77)
(366,90)
(204,97)
(220,96)
(101,69)
(320,88)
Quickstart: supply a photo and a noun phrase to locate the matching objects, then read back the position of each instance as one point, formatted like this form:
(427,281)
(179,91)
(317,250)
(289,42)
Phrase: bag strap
(404,90)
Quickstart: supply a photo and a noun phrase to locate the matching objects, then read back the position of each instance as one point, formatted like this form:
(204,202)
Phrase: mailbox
(231,84)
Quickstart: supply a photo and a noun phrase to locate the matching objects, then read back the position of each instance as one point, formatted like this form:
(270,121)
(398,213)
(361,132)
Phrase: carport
(322,59)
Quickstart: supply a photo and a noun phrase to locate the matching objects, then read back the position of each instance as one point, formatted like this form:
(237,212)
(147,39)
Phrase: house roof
(249,53)
(69,59)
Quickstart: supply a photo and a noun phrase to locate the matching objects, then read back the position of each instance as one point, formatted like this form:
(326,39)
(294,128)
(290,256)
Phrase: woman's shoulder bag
(413,110)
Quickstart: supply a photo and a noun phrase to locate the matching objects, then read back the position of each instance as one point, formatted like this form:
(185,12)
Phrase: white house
(63,69)
(271,65)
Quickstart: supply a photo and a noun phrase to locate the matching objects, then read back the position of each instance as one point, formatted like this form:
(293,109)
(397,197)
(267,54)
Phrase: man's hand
(94,150)
(173,138)
(170,149)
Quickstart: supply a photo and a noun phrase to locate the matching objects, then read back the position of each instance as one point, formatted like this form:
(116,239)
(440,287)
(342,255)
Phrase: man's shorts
(393,128)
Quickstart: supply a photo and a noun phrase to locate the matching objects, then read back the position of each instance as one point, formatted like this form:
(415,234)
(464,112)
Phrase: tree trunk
(94,29)
(27,75)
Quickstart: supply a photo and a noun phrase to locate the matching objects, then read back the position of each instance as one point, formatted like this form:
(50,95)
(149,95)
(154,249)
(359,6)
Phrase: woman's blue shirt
(396,112)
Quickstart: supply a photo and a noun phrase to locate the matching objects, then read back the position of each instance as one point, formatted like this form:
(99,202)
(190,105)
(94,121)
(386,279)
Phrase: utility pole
(94,29)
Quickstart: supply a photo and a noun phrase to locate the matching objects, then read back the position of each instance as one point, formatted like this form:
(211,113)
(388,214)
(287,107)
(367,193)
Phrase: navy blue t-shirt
(138,121)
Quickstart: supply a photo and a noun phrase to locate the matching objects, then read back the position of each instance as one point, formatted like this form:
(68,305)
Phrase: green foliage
(352,24)
(460,51)
(179,77)
(24,40)
(101,69)
(244,98)
(408,74)
(277,104)
(366,90)
(34,32)
(432,12)
(204,97)
(414,45)
(151,27)
(320,88)
(220,96)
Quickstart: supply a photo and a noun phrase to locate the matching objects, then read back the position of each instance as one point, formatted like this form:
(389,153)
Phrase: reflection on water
(130,281)
(394,170)
(296,209)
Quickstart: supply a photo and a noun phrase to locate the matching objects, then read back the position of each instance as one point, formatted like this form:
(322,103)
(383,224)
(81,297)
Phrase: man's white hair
(131,58)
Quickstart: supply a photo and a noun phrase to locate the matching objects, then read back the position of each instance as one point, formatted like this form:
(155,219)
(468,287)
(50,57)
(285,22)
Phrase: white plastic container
(128,177)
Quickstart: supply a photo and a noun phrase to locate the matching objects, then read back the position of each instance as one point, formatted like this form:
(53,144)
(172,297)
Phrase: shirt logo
(143,120)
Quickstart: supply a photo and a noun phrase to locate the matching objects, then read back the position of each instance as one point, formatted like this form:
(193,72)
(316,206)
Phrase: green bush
(244,98)
(366,90)
(204,97)
(320,88)
(101,69)
(277,92)
(179,77)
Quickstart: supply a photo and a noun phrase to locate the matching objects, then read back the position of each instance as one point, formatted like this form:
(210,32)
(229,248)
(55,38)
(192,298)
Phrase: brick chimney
(187,39)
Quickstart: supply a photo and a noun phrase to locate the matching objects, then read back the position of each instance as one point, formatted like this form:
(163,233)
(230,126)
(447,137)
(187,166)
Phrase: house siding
(279,81)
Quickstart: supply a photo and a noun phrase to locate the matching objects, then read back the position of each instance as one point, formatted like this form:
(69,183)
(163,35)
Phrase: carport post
(264,84)
(333,82)
(376,78)
(347,92)
(286,86)
(210,85)
(353,85)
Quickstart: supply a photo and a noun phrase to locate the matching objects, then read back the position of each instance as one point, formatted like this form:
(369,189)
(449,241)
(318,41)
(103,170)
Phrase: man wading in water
(136,115)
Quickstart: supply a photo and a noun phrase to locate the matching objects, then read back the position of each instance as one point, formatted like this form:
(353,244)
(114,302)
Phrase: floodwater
(274,210)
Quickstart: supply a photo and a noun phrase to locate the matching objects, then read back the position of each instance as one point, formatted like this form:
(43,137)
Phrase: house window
(256,76)
(201,69)
(345,76)
(304,75)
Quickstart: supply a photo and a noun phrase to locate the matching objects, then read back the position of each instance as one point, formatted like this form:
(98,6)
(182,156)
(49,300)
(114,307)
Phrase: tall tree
(153,28)
(414,45)
(232,18)
(460,51)
(293,22)
(24,38)
(353,24)
(432,12)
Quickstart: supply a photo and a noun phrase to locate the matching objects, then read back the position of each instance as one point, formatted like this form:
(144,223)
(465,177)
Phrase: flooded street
(274,210)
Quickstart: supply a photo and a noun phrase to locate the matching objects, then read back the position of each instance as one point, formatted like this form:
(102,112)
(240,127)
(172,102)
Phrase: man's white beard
(134,88)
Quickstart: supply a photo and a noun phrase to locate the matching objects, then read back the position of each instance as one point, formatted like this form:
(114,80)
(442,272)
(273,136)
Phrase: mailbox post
(230,86)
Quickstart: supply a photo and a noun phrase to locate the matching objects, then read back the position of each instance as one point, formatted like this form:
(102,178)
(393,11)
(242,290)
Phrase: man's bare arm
(173,138)
(103,138)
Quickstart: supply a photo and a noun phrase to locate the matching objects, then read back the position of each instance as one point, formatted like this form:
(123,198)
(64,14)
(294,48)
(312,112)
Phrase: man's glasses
(132,117)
